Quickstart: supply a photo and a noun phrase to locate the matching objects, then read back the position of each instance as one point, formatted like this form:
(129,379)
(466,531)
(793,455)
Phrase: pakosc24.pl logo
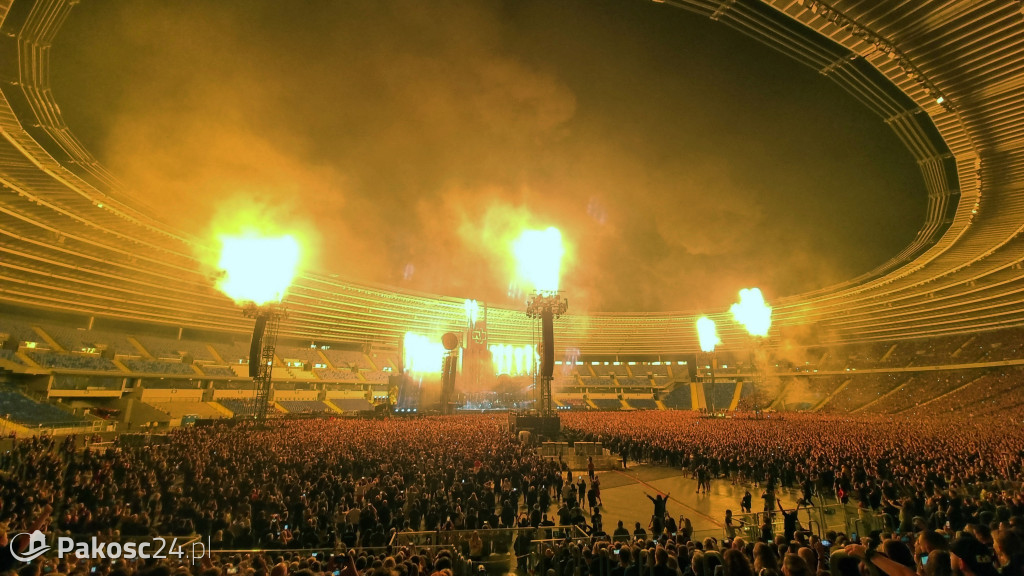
(158,547)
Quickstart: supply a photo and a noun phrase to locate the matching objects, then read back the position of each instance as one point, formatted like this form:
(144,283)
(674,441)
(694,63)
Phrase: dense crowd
(404,497)
(871,458)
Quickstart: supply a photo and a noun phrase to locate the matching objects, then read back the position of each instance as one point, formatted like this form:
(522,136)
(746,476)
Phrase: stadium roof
(946,76)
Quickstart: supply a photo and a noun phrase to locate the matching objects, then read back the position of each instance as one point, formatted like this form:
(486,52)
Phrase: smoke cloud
(408,143)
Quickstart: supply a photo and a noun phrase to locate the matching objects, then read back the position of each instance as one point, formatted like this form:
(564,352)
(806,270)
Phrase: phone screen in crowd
(924,560)
(826,543)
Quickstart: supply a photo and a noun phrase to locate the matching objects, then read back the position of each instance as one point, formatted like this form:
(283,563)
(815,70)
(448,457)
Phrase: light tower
(546,306)
(255,272)
(261,355)
(539,255)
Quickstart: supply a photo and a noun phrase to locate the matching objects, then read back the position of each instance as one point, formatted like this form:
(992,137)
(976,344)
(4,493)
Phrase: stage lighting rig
(546,306)
(543,301)
(261,354)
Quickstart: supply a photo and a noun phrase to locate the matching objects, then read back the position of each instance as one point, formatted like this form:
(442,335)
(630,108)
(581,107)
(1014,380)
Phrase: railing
(509,547)
(814,519)
(496,539)
(335,559)
(57,428)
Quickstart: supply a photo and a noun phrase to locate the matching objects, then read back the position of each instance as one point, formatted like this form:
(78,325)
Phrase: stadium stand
(642,403)
(337,375)
(80,340)
(720,395)
(58,360)
(170,348)
(22,332)
(679,398)
(303,354)
(341,359)
(641,370)
(864,388)
(633,382)
(217,371)
(574,403)
(236,406)
(180,409)
(21,409)
(10,356)
(81,382)
(233,352)
(375,376)
(304,406)
(352,404)
(920,389)
(607,403)
(141,366)
(170,384)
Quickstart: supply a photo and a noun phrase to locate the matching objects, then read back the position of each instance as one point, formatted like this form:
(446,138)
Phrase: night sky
(408,142)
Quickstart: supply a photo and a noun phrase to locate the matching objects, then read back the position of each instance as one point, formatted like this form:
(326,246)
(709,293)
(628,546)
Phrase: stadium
(346,423)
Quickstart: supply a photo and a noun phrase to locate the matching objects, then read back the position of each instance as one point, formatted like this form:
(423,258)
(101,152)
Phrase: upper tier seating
(158,367)
(71,361)
(342,359)
(170,348)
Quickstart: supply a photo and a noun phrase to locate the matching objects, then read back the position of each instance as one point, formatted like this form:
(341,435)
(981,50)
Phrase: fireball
(257,269)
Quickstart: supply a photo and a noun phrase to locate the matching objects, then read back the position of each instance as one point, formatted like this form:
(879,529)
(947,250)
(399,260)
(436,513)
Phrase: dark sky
(408,142)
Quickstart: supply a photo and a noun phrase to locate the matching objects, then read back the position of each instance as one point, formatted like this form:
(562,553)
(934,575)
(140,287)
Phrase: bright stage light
(752,312)
(707,334)
(257,269)
(513,360)
(421,354)
(539,256)
(472,311)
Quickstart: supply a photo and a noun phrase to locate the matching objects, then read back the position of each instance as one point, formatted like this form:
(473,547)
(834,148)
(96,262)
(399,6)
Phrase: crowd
(870,458)
(382,495)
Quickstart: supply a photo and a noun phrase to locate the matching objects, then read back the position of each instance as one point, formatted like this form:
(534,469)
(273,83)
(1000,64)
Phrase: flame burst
(472,312)
(752,312)
(513,360)
(539,255)
(707,334)
(257,269)
(421,354)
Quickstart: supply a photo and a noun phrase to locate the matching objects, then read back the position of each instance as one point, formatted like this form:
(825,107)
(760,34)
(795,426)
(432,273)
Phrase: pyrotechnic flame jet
(257,269)
(752,312)
(539,255)
(422,355)
(707,334)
